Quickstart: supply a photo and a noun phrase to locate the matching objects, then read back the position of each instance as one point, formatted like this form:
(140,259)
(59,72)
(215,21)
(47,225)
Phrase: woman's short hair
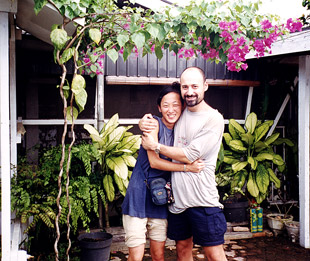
(174,87)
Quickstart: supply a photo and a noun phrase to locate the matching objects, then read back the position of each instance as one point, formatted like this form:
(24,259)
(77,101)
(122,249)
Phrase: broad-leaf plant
(247,160)
(116,148)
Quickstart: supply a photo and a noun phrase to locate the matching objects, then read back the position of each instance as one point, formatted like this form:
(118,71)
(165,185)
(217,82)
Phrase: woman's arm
(158,163)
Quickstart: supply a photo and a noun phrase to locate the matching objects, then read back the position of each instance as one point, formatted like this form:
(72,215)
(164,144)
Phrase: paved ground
(251,249)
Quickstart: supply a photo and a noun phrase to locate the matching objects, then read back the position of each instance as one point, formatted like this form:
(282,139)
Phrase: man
(196,215)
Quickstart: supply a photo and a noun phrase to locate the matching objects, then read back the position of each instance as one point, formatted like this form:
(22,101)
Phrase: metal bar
(279,114)
(124,80)
(249,102)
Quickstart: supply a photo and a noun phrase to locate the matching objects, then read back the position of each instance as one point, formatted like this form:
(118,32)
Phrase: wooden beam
(124,80)
(303,149)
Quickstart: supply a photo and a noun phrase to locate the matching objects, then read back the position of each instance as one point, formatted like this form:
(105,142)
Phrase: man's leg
(185,249)
(209,226)
(215,253)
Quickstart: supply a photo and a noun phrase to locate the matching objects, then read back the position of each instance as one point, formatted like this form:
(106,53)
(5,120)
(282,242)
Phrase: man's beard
(192,103)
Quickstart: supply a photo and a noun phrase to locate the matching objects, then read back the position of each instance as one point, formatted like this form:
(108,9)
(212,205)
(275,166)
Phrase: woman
(140,214)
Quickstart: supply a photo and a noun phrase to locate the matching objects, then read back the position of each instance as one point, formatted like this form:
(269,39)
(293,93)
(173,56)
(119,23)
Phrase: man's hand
(147,123)
(196,166)
(148,142)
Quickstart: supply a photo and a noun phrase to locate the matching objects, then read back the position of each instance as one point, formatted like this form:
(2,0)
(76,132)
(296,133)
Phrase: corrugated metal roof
(172,66)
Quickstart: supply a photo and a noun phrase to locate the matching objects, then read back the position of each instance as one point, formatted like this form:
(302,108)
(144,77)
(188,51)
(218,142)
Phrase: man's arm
(175,153)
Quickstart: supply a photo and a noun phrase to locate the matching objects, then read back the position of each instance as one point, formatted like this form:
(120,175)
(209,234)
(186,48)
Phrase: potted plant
(247,159)
(114,150)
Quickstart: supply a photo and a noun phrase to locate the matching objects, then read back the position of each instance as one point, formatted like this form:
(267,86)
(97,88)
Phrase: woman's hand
(147,123)
(196,166)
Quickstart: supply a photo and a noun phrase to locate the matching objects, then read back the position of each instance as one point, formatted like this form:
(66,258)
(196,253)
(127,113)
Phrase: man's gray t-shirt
(200,136)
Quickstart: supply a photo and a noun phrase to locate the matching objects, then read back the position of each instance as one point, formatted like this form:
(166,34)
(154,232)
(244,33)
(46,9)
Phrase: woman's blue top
(138,201)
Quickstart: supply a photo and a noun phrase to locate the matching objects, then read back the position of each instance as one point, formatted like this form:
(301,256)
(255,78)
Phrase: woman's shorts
(207,225)
(136,230)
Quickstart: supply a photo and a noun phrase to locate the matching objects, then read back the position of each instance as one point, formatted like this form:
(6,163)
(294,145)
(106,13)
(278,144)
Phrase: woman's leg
(136,253)
(135,236)
(157,229)
(157,250)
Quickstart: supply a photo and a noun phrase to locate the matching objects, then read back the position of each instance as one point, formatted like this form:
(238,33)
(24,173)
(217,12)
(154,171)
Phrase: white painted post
(303,148)
(5,138)
(249,102)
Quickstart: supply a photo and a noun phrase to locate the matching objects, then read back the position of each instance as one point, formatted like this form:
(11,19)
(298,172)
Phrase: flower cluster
(237,45)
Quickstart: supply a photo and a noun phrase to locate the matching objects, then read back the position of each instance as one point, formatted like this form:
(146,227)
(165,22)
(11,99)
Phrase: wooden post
(303,149)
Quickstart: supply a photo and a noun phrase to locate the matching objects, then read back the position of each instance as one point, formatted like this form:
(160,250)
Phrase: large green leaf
(252,162)
(250,122)
(138,39)
(114,137)
(272,138)
(120,184)
(239,179)
(81,99)
(262,178)
(286,141)
(78,84)
(227,137)
(118,165)
(109,187)
(273,178)
(153,29)
(264,156)
(122,39)
(230,160)
(233,132)
(113,54)
(131,143)
(277,159)
(129,160)
(59,37)
(259,146)
(111,124)
(238,128)
(239,166)
(75,113)
(237,145)
(91,129)
(260,198)
(248,138)
(66,55)
(95,35)
(261,131)
(252,186)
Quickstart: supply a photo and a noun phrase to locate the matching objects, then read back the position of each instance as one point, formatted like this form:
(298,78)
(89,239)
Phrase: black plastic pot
(95,246)
(236,211)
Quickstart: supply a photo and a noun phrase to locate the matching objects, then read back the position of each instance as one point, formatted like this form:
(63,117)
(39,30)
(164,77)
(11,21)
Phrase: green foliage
(116,151)
(249,158)
(34,189)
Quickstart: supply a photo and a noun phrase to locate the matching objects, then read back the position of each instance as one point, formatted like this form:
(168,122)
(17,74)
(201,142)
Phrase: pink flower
(223,25)
(266,25)
(153,48)
(121,51)
(126,26)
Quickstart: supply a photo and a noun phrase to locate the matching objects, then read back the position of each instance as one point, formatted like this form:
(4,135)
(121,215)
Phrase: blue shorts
(207,226)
